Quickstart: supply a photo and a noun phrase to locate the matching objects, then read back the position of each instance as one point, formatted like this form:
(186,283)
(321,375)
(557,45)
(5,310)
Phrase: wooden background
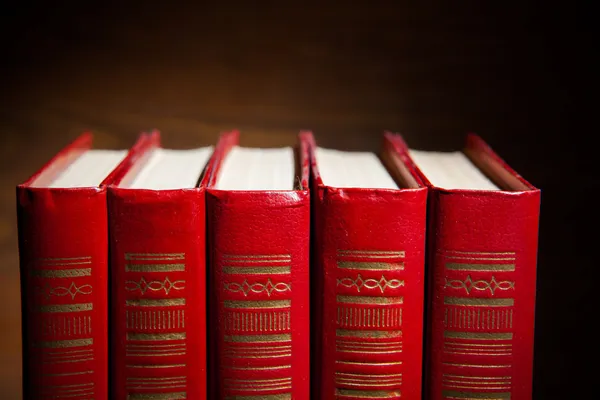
(516,74)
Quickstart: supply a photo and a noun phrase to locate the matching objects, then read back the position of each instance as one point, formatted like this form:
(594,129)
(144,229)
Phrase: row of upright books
(300,272)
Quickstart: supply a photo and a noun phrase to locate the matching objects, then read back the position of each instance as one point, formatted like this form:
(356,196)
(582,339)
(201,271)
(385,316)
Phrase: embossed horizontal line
(154,256)
(479,302)
(156,302)
(479,267)
(453,376)
(450,394)
(280,396)
(153,378)
(155,336)
(269,368)
(368,394)
(257,256)
(477,365)
(65,343)
(258,338)
(62,273)
(183,353)
(75,385)
(478,258)
(69,373)
(371,266)
(490,253)
(369,300)
(367,334)
(366,375)
(368,364)
(373,252)
(154,267)
(257,303)
(58,308)
(157,396)
(155,366)
(153,346)
(285,270)
(477,335)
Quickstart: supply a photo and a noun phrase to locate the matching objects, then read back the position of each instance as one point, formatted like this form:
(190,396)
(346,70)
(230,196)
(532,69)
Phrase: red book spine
(157,244)
(258,252)
(482,257)
(369,288)
(63,246)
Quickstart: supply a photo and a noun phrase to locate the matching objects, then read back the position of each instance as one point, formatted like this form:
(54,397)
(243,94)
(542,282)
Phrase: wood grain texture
(511,72)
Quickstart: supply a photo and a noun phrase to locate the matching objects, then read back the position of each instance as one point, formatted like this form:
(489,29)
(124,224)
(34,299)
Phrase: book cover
(259,286)
(63,250)
(368,281)
(158,267)
(482,282)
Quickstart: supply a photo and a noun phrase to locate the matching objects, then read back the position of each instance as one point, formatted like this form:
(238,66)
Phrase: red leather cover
(259,285)
(368,277)
(482,255)
(157,244)
(63,246)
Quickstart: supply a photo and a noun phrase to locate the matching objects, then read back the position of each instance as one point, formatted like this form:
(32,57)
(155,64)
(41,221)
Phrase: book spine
(259,249)
(157,244)
(370,265)
(63,262)
(483,249)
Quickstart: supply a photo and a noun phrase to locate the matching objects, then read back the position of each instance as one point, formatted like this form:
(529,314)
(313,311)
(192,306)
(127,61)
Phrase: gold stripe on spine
(476,335)
(156,302)
(451,394)
(156,366)
(257,303)
(270,368)
(371,266)
(256,256)
(367,334)
(258,270)
(157,396)
(369,300)
(62,273)
(69,373)
(479,302)
(368,364)
(154,267)
(372,252)
(58,308)
(155,336)
(258,338)
(65,343)
(492,253)
(281,396)
(477,365)
(368,394)
(480,267)
(154,256)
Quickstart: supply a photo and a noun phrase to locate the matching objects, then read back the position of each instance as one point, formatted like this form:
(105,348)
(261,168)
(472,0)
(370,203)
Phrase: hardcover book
(258,232)
(63,250)
(368,273)
(158,251)
(483,236)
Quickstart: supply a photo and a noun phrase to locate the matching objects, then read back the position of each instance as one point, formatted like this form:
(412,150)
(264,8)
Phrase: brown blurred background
(517,74)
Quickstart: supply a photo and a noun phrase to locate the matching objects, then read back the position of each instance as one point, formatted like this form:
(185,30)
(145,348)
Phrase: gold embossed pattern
(369,324)
(478,303)
(155,320)
(65,324)
(257,325)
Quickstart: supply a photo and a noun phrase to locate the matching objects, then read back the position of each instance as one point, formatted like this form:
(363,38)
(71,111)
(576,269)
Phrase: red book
(368,274)
(258,232)
(483,236)
(63,246)
(158,284)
